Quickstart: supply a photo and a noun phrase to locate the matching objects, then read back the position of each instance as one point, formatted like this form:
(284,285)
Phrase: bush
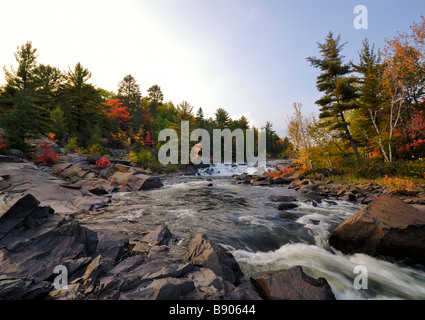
(101,163)
(72,144)
(96,150)
(155,165)
(170,168)
(46,157)
(143,158)
(399,185)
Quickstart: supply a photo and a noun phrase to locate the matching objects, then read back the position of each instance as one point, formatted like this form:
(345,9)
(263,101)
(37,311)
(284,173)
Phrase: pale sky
(246,56)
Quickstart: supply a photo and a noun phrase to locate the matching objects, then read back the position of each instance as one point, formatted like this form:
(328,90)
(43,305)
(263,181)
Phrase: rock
(385,227)
(260,183)
(204,252)
(11,158)
(348,197)
(17,213)
(95,186)
(281,180)
(23,288)
(32,247)
(90,203)
(284,205)
(161,289)
(292,284)
(160,236)
(140,182)
(129,278)
(367,200)
(17,153)
(282,198)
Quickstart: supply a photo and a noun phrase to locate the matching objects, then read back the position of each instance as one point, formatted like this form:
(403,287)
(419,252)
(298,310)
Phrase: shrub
(96,150)
(72,144)
(275,174)
(46,157)
(101,163)
(155,165)
(399,185)
(132,158)
(143,158)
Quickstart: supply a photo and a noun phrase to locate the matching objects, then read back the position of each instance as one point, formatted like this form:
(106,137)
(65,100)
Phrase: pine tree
(129,93)
(222,118)
(339,92)
(22,116)
(80,101)
(155,98)
(200,118)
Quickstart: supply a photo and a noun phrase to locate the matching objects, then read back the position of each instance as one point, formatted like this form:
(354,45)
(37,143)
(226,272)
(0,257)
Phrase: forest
(41,100)
(370,121)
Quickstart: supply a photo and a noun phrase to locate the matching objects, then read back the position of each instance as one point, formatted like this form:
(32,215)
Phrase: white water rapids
(261,238)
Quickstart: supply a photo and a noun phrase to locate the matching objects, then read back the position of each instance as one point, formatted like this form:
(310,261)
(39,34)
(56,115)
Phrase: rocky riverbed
(39,231)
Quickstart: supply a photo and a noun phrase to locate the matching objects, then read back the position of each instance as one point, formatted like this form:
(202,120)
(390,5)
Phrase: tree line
(39,99)
(371,113)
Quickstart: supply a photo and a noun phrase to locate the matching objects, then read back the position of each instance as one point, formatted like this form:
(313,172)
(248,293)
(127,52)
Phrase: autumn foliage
(101,163)
(46,156)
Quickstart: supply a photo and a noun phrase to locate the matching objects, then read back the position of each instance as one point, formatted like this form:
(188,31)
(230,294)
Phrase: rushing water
(261,238)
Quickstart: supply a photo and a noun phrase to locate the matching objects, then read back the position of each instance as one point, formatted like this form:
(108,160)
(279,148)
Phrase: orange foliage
(276,174)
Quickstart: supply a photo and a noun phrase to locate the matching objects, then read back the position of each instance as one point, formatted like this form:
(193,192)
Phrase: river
(261,238)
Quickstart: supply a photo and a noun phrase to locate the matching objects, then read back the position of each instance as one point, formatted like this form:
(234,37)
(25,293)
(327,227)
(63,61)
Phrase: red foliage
(46,157)
(148,141)
(416,130)
(101,163)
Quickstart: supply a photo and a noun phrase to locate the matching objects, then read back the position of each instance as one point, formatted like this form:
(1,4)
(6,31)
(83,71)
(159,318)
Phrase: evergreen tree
(80,101)
(339,92)
(21,117)
(371,98)
(222,118)
(129,93)
(155,98)
(200,118)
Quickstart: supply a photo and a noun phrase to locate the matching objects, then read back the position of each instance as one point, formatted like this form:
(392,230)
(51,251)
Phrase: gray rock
(284,205)
(90,203)
(161,289)
(282,198)
(23,288)
(160,236)
(32,247)
(292,284)
(204,252)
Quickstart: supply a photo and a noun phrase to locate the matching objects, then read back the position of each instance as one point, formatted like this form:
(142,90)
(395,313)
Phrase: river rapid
(261,238)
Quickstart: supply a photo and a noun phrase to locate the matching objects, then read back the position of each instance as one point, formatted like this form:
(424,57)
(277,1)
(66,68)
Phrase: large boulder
(204,252)
(292,284)
(386,227)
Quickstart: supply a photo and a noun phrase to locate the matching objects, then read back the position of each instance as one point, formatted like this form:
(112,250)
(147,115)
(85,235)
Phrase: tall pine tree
(339,92)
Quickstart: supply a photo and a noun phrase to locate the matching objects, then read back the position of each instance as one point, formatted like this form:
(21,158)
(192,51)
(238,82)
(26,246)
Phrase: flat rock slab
(292,284)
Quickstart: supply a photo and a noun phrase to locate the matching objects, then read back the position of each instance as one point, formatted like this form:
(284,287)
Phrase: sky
(246,56)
